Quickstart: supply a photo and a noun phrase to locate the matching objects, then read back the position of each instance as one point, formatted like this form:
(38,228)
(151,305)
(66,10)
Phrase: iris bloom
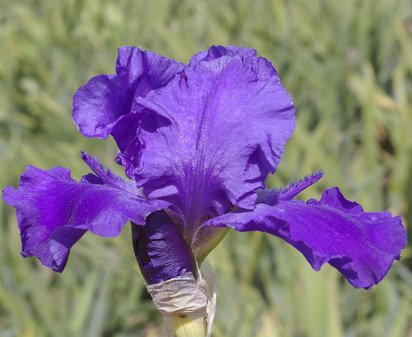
(196,142)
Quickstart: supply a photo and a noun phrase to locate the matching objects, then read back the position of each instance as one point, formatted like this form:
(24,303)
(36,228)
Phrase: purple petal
(272,197)
(145,70)
(227,122)
(293,189)
(215,52)
(361,245)
(160,249)
(108,178)
(99,104)
(54,211)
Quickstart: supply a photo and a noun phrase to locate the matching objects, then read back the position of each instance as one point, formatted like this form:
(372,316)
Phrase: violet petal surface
(223,126)
(99,103)
(54,211)
(361,245)
(161,250)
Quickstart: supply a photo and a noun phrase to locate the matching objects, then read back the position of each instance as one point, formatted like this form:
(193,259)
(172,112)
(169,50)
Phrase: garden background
(348,65)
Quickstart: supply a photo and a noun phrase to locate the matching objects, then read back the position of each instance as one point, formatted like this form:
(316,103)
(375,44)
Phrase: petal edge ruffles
(219,143)
(54,211)
(98,105)
(361,245)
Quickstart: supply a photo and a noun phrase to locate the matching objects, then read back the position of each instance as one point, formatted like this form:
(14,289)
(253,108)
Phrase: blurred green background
(348,65)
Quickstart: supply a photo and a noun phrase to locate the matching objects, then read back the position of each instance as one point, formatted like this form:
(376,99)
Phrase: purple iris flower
(197,142)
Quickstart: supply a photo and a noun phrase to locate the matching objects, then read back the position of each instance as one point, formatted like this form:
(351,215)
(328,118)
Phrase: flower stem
(192,325)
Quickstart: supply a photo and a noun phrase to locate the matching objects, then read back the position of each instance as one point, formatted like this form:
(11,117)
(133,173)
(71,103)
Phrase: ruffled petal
(145,70)
(54,211)
(215,52)
(99,104)
(160,249)
(220,130)
(361,245)
(207,238)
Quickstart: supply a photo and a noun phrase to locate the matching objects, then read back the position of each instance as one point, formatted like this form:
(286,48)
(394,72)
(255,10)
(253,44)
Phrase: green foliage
(348,65)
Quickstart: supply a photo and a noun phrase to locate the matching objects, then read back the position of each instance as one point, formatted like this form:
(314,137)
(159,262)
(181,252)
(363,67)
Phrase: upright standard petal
(98,105)
(361,245)
(215,52)
(161,250)
(54,211)
(223,125)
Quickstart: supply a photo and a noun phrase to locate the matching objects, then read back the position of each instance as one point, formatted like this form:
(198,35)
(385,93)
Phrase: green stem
(192,325)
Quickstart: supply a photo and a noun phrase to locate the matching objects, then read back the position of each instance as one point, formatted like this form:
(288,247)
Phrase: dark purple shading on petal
(145,70)
(107,177)
(130,146)
(229,119)
(215,52)
(54,211)
(160,249)
(99,104)
(361,245)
